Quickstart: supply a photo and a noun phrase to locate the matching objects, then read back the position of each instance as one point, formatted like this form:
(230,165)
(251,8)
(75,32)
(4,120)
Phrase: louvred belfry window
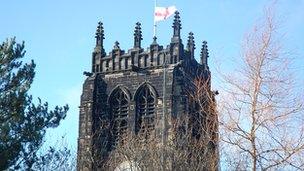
(119,106)
(145,111)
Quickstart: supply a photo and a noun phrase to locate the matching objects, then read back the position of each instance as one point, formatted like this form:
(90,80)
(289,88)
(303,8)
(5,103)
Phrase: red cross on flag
(162,13)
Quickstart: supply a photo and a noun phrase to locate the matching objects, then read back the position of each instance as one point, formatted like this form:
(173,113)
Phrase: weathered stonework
(124,75)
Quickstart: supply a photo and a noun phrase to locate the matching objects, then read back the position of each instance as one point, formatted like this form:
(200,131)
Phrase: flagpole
(154,25)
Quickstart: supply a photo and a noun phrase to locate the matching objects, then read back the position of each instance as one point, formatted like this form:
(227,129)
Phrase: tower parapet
(153,57)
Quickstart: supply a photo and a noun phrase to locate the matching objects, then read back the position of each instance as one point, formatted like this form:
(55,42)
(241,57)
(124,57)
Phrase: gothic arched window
(119,109)
(145,109)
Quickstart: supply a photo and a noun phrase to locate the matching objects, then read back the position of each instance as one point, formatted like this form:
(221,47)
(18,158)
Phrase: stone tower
(139,91)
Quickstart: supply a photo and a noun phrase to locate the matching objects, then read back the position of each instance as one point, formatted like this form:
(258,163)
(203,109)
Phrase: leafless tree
(57,157)
(261,112)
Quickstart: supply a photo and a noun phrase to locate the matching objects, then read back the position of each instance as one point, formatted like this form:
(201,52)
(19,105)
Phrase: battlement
(155,56)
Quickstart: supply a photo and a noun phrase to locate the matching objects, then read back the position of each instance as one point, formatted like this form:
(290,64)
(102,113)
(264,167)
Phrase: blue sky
(59,36)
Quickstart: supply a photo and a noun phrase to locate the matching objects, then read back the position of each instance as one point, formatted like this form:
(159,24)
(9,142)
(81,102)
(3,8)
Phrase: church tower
(143,92)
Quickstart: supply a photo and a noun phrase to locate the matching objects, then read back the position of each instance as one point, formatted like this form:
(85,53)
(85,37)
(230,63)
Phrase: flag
(162,13)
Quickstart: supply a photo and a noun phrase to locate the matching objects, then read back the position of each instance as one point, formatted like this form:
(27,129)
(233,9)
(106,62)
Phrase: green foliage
(22,123)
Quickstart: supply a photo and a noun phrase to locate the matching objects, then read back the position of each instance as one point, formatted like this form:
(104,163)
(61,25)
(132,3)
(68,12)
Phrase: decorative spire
(154,40)
(116,45)
(137,36)
(176,25)
(204,54)
(99,35)
(191,45)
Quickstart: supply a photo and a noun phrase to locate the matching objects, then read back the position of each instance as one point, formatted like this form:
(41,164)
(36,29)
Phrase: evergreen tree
(22,123)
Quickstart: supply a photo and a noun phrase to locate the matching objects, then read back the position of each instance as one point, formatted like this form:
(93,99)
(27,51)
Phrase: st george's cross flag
(162,13)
